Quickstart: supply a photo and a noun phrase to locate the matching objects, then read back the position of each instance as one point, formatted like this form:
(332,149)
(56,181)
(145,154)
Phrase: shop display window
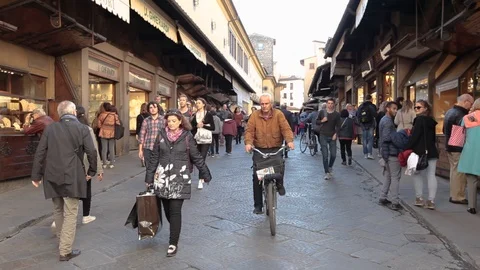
(411,93)
(136,98)
(389,86)
(164,102)
(20,94)
(101,90)
(360,96)
(421,90)
(442,102)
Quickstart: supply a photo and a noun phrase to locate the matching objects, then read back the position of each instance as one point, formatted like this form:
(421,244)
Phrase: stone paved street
(321,225)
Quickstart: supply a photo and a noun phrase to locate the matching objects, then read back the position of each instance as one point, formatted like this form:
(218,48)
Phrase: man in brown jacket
(266,130)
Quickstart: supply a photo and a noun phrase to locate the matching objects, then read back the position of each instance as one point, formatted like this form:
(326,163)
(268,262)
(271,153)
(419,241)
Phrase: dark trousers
(228,143)
(329,151)
(215,143)
(147,153)
(173,212)
(87,202)
(257,184)
(238,139)
(346,146)
(203,149)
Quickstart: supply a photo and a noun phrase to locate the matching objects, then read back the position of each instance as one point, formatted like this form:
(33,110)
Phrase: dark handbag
(423,159)
(149,215)
(119,131)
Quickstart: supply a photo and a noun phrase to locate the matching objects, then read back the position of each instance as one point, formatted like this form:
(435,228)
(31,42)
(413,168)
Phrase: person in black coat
(202,119)
(421,142)
(169,170)
(58,161)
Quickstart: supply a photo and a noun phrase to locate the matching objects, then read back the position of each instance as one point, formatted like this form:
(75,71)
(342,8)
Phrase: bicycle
(269,170)
(309,140)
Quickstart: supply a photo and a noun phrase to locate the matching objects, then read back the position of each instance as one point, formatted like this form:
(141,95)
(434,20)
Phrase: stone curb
(452,247)
(36,220)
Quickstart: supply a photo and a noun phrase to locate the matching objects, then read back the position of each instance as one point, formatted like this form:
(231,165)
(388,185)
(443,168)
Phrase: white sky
(294,24)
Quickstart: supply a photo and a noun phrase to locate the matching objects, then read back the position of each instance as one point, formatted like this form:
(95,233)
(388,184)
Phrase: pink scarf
(173,135)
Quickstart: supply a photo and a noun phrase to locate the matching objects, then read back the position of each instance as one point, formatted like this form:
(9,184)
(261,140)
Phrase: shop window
(101,90)
(421,90)
(360,96)
(136,98)
(442,102)
(389,86)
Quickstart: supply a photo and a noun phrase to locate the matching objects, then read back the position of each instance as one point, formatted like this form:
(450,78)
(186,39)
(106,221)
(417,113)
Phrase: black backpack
(366,115)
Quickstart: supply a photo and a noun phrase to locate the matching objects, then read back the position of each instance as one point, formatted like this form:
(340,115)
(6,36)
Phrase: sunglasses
(418,107)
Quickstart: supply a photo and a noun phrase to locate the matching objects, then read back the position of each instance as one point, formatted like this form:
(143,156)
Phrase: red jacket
(403,157)
(38,125)
(230,127)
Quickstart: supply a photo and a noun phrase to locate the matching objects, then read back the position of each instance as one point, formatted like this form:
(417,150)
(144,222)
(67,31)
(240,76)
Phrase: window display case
(136,98)
(101,90)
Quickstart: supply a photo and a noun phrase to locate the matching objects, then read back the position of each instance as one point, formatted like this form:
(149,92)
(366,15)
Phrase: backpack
(366,115)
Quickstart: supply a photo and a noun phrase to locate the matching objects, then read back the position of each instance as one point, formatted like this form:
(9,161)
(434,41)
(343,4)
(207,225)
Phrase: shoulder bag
(423,160)
(457,136)
(203,135)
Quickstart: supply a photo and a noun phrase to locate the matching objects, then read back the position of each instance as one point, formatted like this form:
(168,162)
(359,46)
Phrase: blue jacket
(400,139)
(387,131)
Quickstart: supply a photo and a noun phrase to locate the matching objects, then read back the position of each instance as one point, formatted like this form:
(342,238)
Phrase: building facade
(433,55)
(265,49)
(310,65)
(138,50)
(292,94)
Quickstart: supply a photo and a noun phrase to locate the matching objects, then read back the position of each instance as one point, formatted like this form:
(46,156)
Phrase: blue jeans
(329,149)
(367,141)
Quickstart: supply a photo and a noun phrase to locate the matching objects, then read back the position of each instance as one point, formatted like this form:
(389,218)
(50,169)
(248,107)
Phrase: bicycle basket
(269,166)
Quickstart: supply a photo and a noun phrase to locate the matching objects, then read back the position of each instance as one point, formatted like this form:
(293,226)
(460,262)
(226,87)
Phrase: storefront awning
(151,13)
(450,79)
(422,70)
(120,8)
(193,46)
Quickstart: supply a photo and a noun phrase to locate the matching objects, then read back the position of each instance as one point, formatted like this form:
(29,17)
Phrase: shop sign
(362,6)
(102,69)
(366,68)
(120,8)
(139,81)
(447,86)
(163,90)
(385,50)
(193,46)
(156,17)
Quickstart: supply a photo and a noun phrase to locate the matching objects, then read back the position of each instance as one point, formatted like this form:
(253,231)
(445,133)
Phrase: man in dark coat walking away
(59,162)
(289,116)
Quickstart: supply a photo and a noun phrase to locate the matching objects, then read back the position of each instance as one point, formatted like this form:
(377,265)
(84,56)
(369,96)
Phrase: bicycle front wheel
(313,146)
(303,143)
(272,205)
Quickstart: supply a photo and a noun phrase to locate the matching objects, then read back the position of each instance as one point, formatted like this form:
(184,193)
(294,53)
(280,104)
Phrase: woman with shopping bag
(203,125)
(174,153)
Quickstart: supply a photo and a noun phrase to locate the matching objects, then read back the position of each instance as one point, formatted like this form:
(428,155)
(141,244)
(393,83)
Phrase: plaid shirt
(149,131)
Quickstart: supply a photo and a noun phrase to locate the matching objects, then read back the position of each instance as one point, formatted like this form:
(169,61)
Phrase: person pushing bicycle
(266,130)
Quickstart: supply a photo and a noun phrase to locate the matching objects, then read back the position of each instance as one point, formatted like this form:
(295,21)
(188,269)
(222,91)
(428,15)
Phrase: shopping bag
(149,215)
(457,138)
(132,217)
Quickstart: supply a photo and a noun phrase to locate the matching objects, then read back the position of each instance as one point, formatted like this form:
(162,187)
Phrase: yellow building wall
(309,73)
(34,62)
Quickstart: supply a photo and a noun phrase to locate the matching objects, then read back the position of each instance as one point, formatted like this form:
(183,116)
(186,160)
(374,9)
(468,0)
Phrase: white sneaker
(328,176)
(88,219)
(200,184)
(111,166)
(53,226)
(370,156)
(366,156)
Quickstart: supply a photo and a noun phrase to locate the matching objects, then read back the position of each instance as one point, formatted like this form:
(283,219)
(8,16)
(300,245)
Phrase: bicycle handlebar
(266,155)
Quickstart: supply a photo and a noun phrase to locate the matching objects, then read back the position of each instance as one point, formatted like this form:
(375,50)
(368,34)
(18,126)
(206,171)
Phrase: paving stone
(263,263)
(339,261)
(226,225)
(423,238)
(374,255)
(344,246)
(91,258)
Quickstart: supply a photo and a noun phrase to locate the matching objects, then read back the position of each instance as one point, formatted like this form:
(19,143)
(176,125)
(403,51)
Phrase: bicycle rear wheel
(272,205)
(303,143)
(313,146)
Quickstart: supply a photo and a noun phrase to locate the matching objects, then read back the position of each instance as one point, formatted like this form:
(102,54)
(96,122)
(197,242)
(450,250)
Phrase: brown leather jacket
(106,124)
(268,133)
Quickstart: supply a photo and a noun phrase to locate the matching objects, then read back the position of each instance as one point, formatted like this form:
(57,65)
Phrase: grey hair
(464,98)
(476,105)
(268,95)
(66,107)
(39,111)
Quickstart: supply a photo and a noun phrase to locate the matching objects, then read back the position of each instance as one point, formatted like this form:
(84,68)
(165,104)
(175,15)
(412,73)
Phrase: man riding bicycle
(266,130)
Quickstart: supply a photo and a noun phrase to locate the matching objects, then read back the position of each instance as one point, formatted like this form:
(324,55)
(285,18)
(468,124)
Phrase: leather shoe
(465,201)
(71,255)
(258,211)
(281,190)
(472,211)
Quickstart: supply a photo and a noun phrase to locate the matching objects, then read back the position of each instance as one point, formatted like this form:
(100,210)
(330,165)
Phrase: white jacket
(412,163)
